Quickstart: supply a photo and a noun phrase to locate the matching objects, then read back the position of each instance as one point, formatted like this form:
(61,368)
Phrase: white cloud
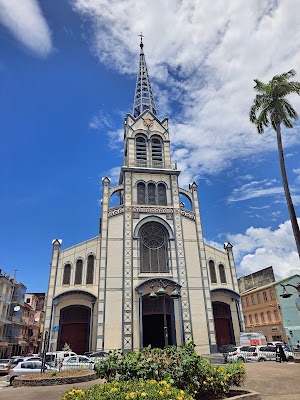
(261,247)
(100,121)
(204,55)
(255,189)
(25,20)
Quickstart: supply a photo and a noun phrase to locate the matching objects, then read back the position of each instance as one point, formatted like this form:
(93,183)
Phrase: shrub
(127,390)
(179,366)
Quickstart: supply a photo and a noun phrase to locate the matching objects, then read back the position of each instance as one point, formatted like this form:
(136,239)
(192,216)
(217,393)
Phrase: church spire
(143,98)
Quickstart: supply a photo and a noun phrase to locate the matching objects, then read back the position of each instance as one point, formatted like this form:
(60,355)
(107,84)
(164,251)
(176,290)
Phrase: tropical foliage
(178,366)
(271,107)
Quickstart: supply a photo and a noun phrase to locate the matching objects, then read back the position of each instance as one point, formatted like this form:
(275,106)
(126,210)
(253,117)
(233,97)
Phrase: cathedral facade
(148,278)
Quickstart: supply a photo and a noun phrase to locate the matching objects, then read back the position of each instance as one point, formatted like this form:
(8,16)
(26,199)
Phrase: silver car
(26,368)
(4,365)
(77,362)
(241,353)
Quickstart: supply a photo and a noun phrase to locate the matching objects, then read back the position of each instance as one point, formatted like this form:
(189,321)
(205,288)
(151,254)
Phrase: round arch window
(153,248)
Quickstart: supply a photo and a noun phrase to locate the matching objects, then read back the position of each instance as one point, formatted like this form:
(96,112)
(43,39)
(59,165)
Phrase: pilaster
(203,271)
(181,265)
(127,317)
(103,265)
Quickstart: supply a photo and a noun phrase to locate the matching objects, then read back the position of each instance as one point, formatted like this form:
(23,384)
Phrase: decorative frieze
(152,210)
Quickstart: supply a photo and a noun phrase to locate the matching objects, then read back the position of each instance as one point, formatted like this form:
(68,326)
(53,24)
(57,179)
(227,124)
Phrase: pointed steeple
(143,98)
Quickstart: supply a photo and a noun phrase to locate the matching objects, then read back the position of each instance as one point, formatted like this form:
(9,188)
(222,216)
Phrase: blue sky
(68,71)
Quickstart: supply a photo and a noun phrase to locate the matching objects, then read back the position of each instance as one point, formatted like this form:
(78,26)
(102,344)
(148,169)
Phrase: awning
(23,343)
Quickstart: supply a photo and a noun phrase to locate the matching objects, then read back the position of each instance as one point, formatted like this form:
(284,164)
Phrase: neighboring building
(100,291)
(256,279)
(6,289)
(290,313)
(17,343)
(36,301)
(262,312)
(267,312)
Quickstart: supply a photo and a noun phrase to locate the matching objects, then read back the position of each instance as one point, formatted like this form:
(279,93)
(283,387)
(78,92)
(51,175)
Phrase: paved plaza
(273,380)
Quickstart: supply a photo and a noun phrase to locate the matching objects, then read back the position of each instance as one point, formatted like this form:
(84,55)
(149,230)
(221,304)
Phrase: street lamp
(161,292)
(285,294)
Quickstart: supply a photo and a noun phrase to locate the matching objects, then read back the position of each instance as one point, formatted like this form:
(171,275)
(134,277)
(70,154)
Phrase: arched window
(141,193)
(90,270)
(67,274)
(153,248)
(141,151)
(78,272)
(161,194)
(151,194)
(212,271)
(156,152)
(222,273)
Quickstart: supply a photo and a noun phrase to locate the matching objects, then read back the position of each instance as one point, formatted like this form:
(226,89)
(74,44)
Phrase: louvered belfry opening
(141,151)
(157,156)
(143,99)
(154,248)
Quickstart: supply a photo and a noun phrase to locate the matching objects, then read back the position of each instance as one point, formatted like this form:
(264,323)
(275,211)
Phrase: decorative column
(102,267)
(127,328)
(203,271)
(56,244)
(182,275)
(228,247)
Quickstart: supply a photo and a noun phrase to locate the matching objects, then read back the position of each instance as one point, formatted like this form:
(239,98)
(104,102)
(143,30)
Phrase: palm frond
(284,76)
(289,109)
(260,86)
(287,123)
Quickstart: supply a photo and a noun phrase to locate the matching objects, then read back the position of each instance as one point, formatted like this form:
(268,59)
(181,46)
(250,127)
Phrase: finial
(141,44)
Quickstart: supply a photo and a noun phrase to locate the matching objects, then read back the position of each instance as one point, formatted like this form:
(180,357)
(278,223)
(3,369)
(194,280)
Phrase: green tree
(271,107)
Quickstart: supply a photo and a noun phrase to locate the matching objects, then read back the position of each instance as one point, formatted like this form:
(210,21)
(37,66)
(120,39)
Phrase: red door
(74,328)
(223,323)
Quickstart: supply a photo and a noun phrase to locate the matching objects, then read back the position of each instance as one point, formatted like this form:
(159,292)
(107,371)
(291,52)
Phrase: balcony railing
(150,164)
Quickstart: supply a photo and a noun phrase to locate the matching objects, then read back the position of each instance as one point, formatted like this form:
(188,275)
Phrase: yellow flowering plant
(127,390)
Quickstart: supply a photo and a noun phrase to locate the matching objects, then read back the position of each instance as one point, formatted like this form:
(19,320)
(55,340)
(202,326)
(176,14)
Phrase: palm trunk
(289,202)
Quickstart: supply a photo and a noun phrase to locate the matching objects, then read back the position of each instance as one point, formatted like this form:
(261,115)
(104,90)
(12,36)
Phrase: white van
(53,358)
(252,339)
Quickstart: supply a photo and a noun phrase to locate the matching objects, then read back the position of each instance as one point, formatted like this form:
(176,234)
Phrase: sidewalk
(275,381)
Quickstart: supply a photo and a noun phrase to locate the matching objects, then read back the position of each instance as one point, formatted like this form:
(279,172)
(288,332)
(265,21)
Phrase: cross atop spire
(143,98)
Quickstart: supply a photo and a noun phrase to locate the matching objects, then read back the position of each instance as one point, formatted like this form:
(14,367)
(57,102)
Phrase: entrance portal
(153,321)
(223,323)
(74,328)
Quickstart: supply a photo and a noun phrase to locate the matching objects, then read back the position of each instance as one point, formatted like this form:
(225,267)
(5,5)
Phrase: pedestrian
(298,345)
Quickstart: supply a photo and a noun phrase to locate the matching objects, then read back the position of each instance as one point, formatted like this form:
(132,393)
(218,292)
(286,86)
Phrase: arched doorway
(74,328)
(223,323)
(153,321)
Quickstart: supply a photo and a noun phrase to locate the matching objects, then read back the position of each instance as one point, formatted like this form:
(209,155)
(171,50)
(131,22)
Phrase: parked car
(274,343)
(77,362)
(55,358)
(25,368)
(258,354)
(4,365)
(269,352)
(241,353)
(98,355)
(225,349)
(15,360)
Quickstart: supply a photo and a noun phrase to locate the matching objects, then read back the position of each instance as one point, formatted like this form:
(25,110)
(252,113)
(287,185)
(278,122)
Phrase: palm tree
(271,106)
